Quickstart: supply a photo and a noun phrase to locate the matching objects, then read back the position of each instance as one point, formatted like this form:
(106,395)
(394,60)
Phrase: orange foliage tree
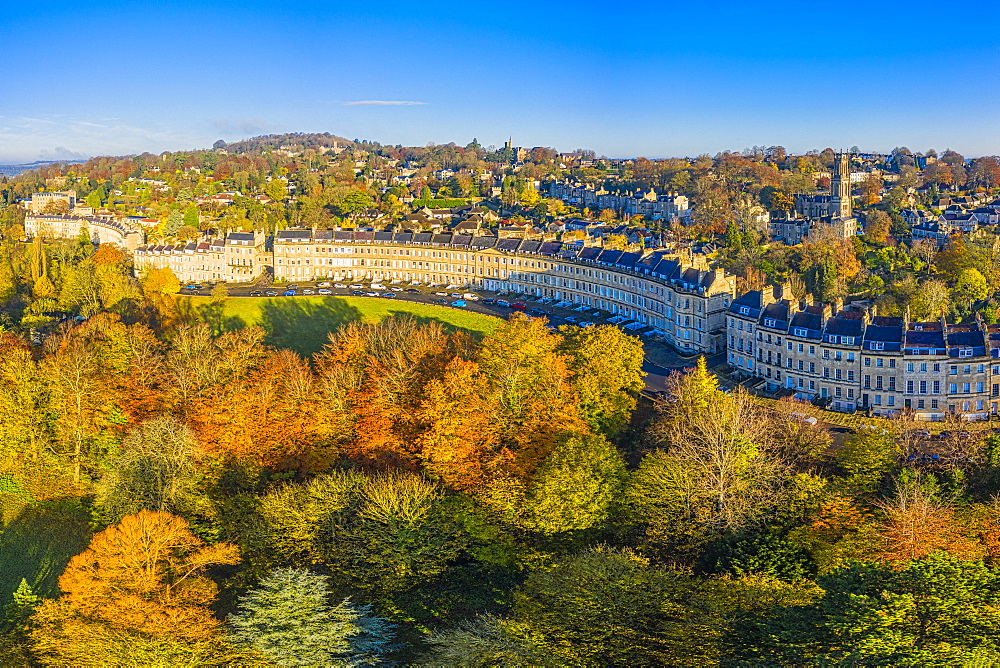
(139,591)
(269,416)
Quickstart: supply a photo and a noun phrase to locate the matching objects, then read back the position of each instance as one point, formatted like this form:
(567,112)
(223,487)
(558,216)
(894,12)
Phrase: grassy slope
(302,323)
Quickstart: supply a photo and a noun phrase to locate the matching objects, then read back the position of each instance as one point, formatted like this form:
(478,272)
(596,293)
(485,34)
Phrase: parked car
(307,291)
(585,324)
(293,286)
(413,290)
(458,302)
(389,295)
(503,302)
(340,286)
(441,294)
(357,292)
(356,287)
(271,293)
(255,293)
(803,418)
(325,291)
(489,300)
(456,295)
(324,284)
(289,293)
(570,318)
(371,294)
(519,306)
(395,289)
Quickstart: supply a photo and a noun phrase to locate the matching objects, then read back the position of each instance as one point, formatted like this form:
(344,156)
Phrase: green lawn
(302,323)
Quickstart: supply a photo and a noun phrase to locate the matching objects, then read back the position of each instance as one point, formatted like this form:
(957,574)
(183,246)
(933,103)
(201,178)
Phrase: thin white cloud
(382,103)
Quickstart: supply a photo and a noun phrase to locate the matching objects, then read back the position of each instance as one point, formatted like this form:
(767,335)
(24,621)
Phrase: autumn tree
(152,470)
(578,487)
(606,367)
(74,377)
(459,440)
(877,226)
(719,468)
(138,594)
(522,361)
(915,524)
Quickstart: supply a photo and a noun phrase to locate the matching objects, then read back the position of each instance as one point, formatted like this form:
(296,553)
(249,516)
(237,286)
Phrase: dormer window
(878,345)
(744,310)
(965,352)
(770,322)
(847,340)
(801,331)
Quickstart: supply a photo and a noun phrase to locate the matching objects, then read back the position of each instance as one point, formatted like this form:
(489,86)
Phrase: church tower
(840,187)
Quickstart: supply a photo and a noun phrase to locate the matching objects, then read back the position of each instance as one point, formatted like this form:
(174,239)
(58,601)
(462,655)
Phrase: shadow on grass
(39,542)
(449,327)
(212,313)
(302,325)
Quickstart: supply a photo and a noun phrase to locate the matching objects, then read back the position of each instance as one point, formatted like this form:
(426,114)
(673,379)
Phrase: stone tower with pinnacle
(840,187)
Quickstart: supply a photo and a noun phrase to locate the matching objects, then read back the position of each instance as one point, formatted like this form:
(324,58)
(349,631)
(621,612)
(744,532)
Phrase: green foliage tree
(938,610)
(289,620)
(191,217)
(578,486)
(173,223)
(354,202)
(607,607)
(867,457)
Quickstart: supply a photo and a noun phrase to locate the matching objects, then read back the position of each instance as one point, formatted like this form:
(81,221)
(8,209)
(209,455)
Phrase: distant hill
(14,170)
(297,140)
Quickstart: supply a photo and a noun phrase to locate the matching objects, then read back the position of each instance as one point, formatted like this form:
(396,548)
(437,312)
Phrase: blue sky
(625,79)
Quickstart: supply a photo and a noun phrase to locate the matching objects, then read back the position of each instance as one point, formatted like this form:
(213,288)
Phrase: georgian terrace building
(854,360)
(686,303)
(100,229)
(240,257)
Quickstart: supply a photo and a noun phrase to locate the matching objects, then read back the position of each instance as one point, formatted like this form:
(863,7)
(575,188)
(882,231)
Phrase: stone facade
(101,229)
(851,359)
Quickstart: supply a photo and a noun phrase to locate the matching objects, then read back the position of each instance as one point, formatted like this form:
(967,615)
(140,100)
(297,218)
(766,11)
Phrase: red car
(520,306)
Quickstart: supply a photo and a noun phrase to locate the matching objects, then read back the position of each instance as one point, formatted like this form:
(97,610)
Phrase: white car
(325,291)
(356,287)
(307,291)
(395,289)
(341,286)
(372,294)
(324,284)
(441,294)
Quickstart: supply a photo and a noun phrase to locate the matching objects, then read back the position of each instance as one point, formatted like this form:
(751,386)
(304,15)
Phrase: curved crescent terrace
(681,296)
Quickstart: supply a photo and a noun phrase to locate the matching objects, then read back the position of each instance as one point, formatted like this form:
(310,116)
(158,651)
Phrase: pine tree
(289,619)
